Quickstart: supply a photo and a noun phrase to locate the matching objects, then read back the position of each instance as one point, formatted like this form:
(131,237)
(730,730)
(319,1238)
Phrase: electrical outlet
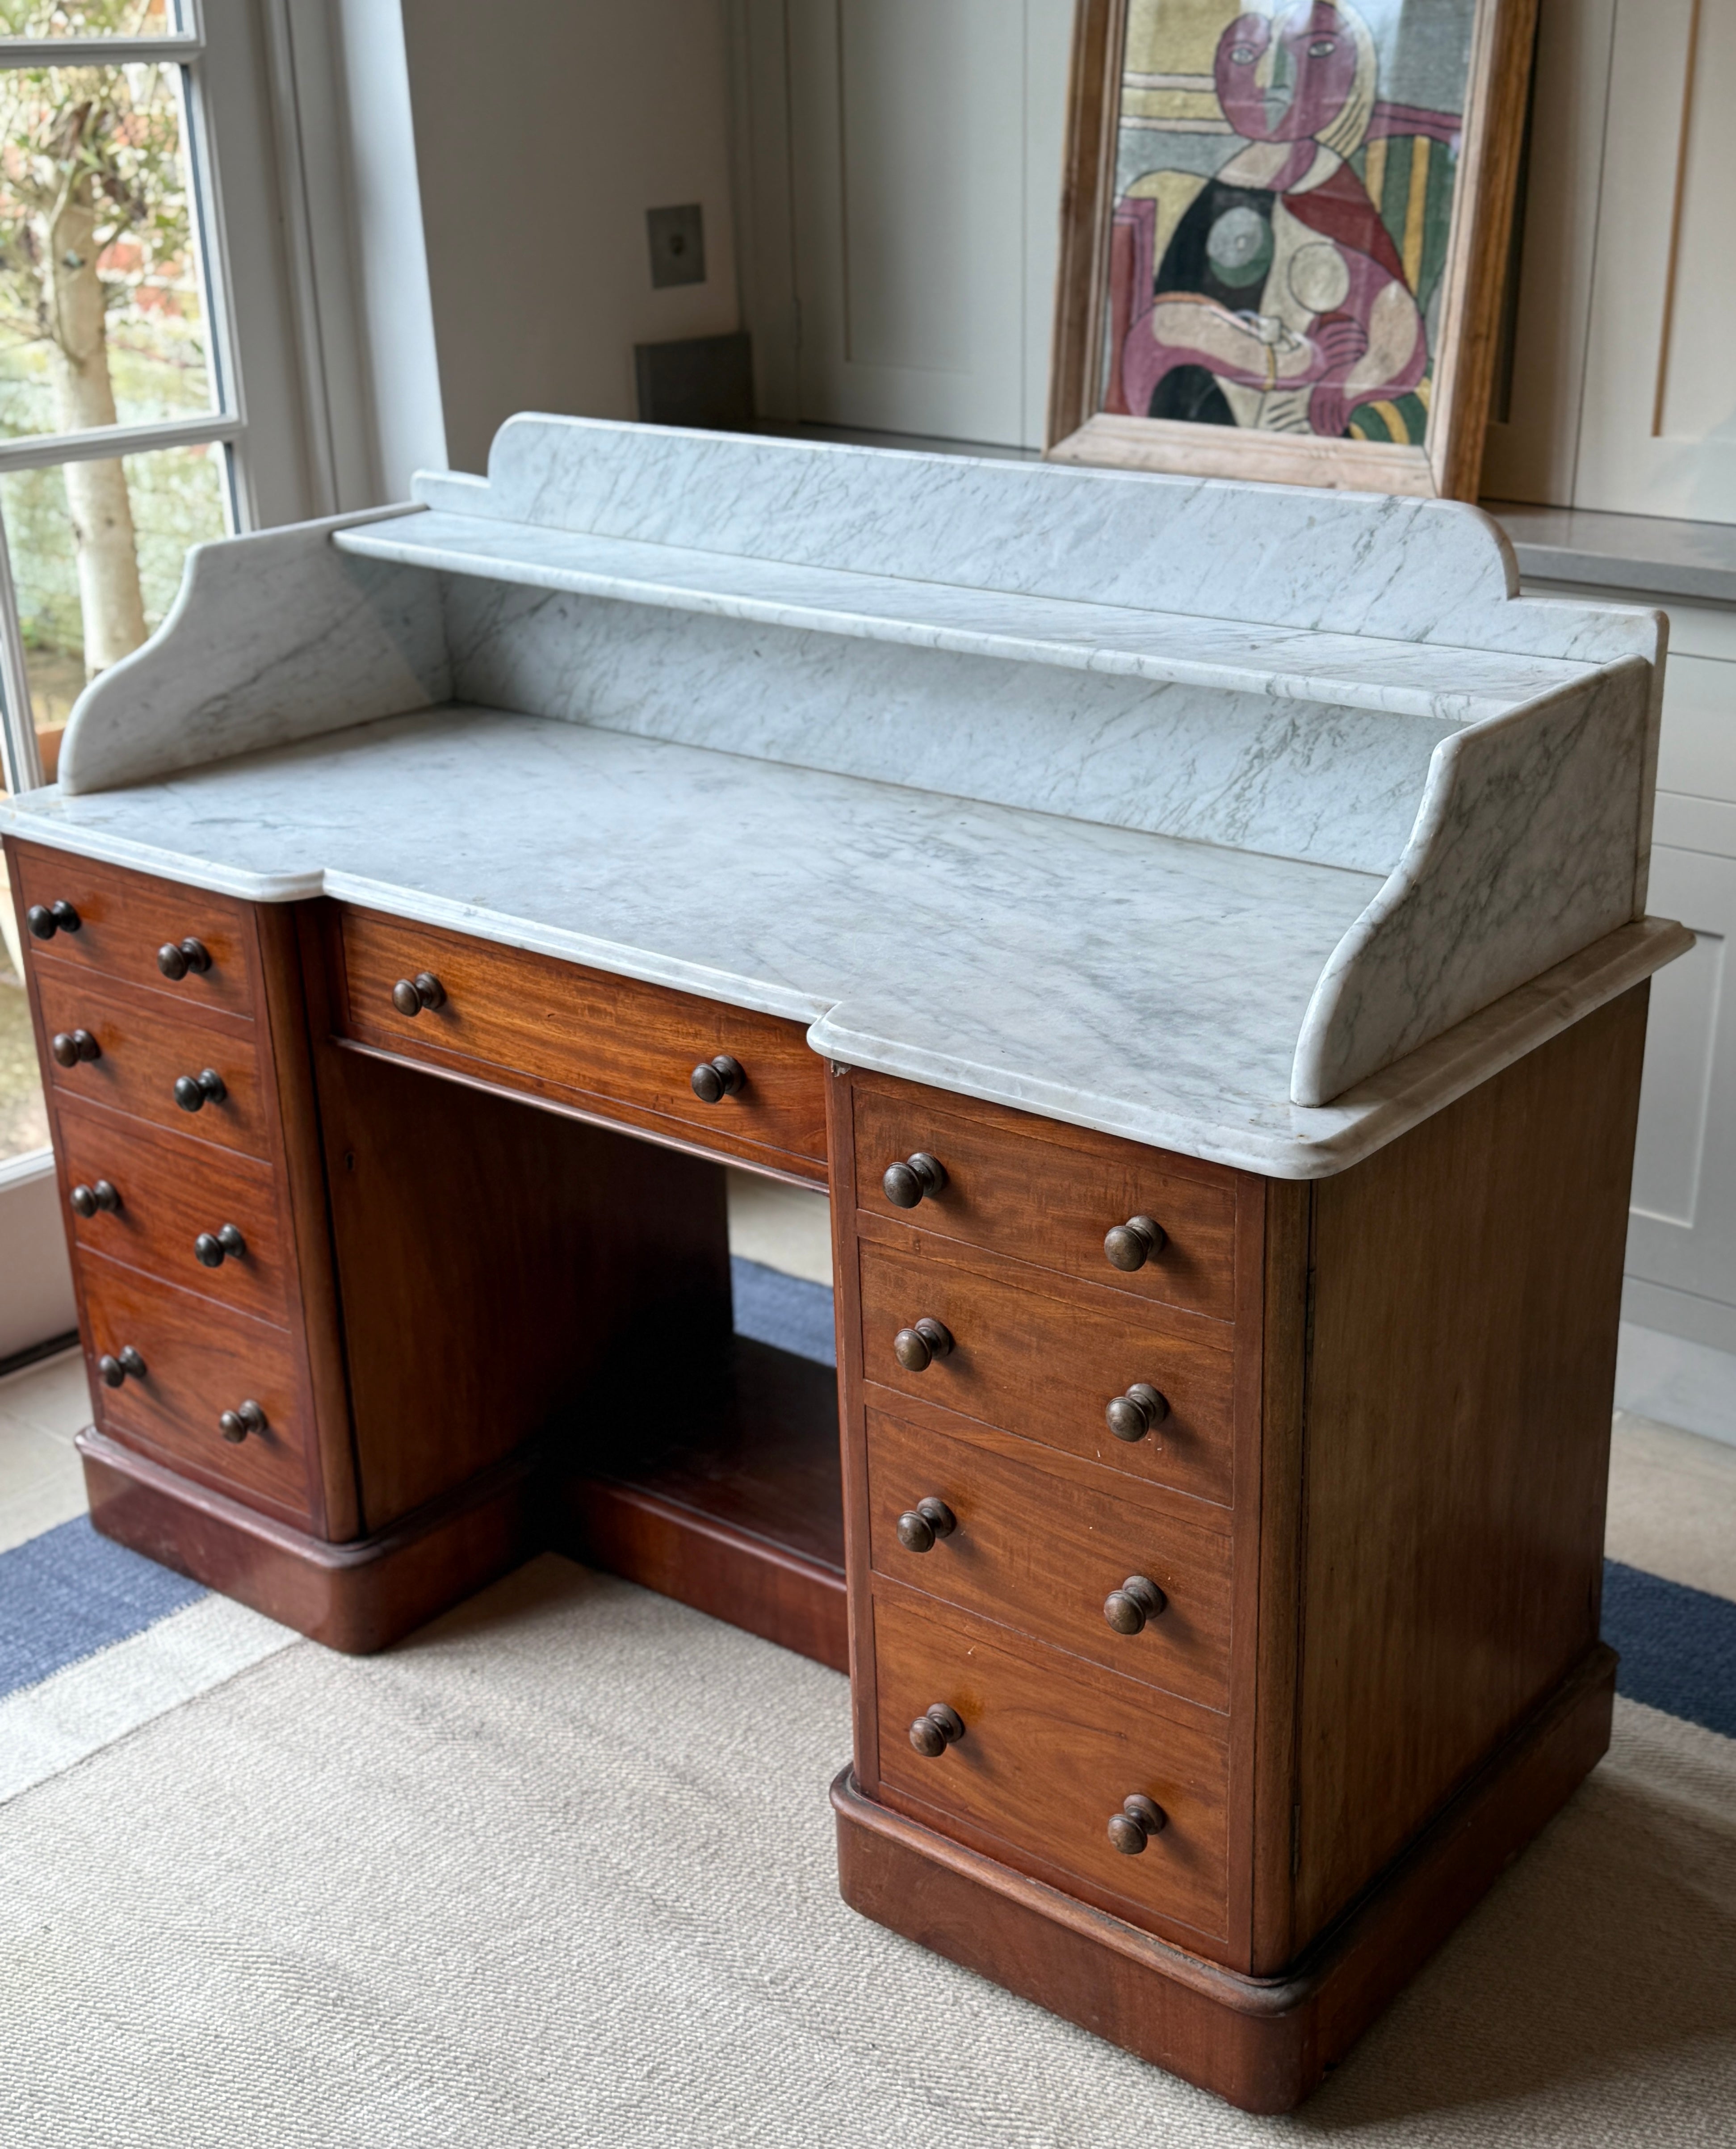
(677,245)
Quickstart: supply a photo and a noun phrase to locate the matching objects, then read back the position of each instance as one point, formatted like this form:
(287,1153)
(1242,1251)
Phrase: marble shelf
(1344,671)
(978,947)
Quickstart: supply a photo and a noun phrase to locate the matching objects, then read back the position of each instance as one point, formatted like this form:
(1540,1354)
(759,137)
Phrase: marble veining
(1282,556)
(1293,780)
(1336,786)
(609,850)
(273,637)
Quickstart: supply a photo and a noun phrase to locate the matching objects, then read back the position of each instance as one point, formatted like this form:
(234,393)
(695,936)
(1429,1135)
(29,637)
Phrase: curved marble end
(273,637)
(1524,851)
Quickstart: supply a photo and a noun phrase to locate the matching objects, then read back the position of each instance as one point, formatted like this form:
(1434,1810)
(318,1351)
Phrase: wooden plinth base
(355,1598)
(1262,2043)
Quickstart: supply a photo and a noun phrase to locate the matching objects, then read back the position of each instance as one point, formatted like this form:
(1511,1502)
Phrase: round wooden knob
(410,995)
(88,1200)
(1131,1417)
(70,1046)
(46,919)
(113,1371)
(212,1249)
(935,1729)
(928,1520)
(194,1092)
(715,1079)
(1138,1820)
(176,958)
(1131,1245)
(916,1348)
(919,1175)
(247,1417)
(1128,1608)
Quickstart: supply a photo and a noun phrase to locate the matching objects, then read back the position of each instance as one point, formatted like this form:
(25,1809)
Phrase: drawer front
(1037,1552)
(1051,1202)
(1046,1760)
(171,1191)
(146,1045)
(612,1039)
(1047,1368)
(125,918)
(200,1360)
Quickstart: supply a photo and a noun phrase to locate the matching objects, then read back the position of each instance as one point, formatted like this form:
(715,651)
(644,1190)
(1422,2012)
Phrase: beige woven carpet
(560,1871)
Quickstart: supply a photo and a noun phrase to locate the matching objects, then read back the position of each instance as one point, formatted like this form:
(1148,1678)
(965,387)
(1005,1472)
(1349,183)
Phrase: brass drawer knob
(194,1092)
(715,1079)
(1131,1417)
(916,1348)
(935,1729)
(1138,1820)
(176,958)
(235,1425)
(928,1520)
(1128,1608)
(212,1249)
(410,995)
(112,1372)
(87,1200)
(1131,1245)
(70,1046)
(919,1175)
(46,919)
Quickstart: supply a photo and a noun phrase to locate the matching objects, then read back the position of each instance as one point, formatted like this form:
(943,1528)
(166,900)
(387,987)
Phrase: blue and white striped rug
(95,1641)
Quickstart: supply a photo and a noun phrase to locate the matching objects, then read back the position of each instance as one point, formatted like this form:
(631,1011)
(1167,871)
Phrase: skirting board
(1676,1381)
(1262,2043)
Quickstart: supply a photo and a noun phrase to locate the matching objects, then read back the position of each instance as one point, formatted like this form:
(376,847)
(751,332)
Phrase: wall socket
(677,245)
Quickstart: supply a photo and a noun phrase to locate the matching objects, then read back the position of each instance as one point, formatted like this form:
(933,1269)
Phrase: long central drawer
(531,1023)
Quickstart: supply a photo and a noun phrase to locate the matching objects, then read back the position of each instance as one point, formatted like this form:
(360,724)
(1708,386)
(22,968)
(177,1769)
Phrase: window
(120,413)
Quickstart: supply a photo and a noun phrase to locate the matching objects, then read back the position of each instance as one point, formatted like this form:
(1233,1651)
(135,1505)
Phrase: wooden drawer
(1046,1367)
(628,1050)
(124,917)
(1038,1552)
(1048,1194)
(200,1360)
(171,1190)
(1051,1748)
(146,1043)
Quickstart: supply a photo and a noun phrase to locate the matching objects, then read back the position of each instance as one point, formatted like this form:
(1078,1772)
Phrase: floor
(1672,1495)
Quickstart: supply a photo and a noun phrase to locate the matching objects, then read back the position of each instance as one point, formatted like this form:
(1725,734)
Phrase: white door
(900,185)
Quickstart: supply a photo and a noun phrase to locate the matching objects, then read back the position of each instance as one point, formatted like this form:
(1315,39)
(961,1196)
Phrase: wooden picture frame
(1107,244)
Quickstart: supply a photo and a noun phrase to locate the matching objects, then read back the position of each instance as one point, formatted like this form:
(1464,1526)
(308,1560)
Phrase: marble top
(982,948)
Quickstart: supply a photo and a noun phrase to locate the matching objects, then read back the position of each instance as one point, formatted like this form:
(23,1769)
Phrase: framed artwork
(1285,237)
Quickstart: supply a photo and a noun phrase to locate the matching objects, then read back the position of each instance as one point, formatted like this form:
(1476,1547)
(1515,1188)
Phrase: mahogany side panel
(493,1261)
(1467,1292)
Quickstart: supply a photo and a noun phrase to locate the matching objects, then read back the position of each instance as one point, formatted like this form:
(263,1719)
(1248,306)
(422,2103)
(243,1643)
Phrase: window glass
(101,312)
(83,607)
(87,18)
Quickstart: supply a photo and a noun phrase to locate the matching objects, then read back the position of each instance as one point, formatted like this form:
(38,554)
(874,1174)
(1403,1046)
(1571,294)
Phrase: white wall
(544,131)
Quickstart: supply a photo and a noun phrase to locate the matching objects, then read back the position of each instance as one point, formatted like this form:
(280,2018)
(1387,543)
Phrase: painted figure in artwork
(1270,292)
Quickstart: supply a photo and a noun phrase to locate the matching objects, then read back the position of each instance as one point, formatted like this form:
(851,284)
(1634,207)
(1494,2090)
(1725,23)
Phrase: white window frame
(225,423)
